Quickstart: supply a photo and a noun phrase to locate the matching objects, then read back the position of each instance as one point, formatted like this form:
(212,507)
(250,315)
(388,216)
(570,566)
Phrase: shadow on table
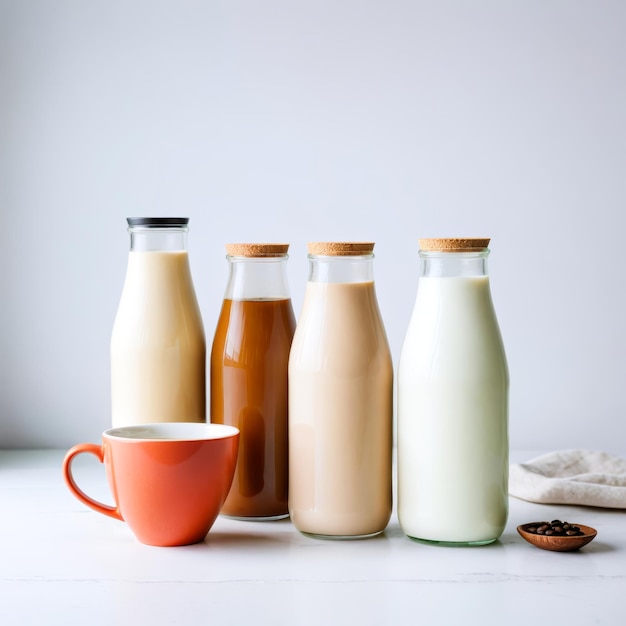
(258,537)
(595,546)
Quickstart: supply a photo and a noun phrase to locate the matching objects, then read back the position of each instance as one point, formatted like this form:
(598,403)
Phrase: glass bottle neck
(257,278)
(453,264)
(146,239)
(341,269)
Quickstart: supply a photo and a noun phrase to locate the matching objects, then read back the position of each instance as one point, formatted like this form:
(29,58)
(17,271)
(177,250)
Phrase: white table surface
(62,563)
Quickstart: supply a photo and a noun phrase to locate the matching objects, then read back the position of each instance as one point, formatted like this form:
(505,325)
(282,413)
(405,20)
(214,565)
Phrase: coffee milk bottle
(249,359)
(340,399)
(453,386)
(158,349)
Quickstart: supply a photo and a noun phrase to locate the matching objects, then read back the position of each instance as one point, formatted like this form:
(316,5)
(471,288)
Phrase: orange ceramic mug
(169,480)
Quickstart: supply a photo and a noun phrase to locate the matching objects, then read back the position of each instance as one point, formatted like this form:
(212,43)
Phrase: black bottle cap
(157,222)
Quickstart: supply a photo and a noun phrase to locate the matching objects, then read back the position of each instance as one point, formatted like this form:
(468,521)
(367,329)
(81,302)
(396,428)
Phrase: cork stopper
(341,248)
(457,244)
(257,249)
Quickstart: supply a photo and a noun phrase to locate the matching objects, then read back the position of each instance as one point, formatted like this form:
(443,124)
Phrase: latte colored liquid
(158,349)
(452,415)
(249,361)
(340,420)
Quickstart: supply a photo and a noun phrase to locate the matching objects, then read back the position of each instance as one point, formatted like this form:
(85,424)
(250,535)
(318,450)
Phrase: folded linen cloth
(584,477)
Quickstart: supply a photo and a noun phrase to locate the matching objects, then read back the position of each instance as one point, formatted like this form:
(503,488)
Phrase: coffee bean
(555,528)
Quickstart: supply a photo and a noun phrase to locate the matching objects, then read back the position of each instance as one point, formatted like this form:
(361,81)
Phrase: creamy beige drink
(340,413)
(158,344)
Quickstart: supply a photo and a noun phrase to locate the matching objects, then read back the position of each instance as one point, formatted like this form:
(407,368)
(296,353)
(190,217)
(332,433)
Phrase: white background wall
(328,120)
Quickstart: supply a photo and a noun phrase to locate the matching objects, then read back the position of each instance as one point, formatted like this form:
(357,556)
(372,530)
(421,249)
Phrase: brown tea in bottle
(249,363)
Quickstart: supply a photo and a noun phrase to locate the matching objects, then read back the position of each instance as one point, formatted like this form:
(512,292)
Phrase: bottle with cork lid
(249,359)
(340,399)
(453,385)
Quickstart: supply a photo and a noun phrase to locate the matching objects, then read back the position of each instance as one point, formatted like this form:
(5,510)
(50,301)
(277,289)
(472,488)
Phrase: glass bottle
(340,399)
(453,386)
(158,350)
(249,360)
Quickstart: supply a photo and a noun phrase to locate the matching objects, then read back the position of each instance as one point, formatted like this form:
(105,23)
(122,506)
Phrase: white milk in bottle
(158,349)
(453,402)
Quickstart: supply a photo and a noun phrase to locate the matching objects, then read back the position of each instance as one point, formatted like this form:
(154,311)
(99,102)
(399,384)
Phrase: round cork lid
(341,248)
(257,249)
(455,244)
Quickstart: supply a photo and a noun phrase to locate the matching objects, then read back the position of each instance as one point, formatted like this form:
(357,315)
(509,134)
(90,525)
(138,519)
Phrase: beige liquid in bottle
(340,408)
(158,348)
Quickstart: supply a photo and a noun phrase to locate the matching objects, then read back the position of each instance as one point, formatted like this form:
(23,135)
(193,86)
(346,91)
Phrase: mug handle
(96,450)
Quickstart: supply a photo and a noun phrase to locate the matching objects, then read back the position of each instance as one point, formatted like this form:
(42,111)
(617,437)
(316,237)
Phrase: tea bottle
(453,386)
(249,359)
(340,399)
(158,349)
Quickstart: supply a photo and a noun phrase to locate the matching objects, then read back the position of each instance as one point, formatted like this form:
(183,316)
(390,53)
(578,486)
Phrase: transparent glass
(341,269)
(158,349)
(257,278)
(453,264)
(249,359)
(453,407)
(163,239)
(340,404)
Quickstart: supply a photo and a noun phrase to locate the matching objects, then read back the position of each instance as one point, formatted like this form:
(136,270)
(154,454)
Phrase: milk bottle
(340,399)
(453,402)
(249,358)
(158,347)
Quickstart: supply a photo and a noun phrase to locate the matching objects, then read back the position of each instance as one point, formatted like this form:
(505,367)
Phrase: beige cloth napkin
(584,477)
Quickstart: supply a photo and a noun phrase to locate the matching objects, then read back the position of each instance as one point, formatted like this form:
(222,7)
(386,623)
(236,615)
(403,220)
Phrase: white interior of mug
(173,431)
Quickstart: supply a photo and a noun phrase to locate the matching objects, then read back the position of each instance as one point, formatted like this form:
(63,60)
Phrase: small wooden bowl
(558,544)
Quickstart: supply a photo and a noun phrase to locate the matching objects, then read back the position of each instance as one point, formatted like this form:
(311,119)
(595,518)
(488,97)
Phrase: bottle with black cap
(158,348)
